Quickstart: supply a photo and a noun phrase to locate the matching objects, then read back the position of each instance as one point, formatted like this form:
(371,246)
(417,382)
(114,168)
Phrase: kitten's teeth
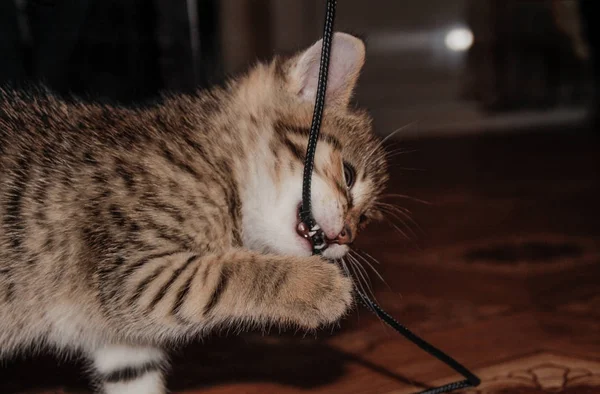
(319,247)
(316,228)
(302,230)
(311,233)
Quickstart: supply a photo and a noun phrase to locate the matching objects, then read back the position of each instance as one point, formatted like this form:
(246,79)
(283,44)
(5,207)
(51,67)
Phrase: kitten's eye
(349,175)
(362,221)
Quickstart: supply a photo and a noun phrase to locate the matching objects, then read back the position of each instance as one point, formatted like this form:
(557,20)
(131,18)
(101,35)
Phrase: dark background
(531,61)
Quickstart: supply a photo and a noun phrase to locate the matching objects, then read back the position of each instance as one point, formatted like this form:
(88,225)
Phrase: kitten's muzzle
(317,238)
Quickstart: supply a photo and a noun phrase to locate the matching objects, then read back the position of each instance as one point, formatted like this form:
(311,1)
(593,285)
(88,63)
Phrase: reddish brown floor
(504,275)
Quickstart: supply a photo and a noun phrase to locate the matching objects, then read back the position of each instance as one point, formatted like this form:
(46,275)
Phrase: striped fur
(126,230)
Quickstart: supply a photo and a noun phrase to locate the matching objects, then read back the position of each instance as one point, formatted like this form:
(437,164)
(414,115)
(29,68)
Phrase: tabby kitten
(125,231)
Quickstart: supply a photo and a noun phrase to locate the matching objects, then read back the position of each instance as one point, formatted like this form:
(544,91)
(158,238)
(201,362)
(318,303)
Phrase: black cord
(317,236)
(471,379)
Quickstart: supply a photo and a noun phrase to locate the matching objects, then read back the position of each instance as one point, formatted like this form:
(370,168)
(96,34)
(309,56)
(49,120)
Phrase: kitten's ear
(347,59)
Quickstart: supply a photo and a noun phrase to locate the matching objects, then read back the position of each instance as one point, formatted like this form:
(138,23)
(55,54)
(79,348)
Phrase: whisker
(404,212)
(399,151)
(373,259)
(398,229)
(394,210)
(413,221)
(391,158)
(392,195)
(357,284)
(345,268)
(352,277)
(357,254)
(413,241)
(395,215)
(362,290)
(393,133)
(394,150)
(364,271)
(357,265)
(408,168)
(392,206)
(342,263)
(353,262)
(380,143)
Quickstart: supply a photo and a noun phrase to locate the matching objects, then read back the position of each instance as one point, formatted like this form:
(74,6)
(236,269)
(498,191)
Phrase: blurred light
(459,39)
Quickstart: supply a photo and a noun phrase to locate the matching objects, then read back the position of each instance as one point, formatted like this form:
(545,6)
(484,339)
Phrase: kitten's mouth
(304,232)
(331,248)
(301,228)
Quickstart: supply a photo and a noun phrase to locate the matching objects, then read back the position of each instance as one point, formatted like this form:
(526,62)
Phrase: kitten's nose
(345,236)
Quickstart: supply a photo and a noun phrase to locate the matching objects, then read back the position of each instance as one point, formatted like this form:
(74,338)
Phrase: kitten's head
(350,168)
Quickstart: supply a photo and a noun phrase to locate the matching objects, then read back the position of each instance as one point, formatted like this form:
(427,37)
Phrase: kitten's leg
(179,294)
(123,369)
(264,289)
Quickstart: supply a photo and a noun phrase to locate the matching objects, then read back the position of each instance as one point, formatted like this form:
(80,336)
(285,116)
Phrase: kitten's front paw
(323,295)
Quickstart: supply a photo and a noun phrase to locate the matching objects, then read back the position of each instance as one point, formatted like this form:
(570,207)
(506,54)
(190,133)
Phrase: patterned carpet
(502,272)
